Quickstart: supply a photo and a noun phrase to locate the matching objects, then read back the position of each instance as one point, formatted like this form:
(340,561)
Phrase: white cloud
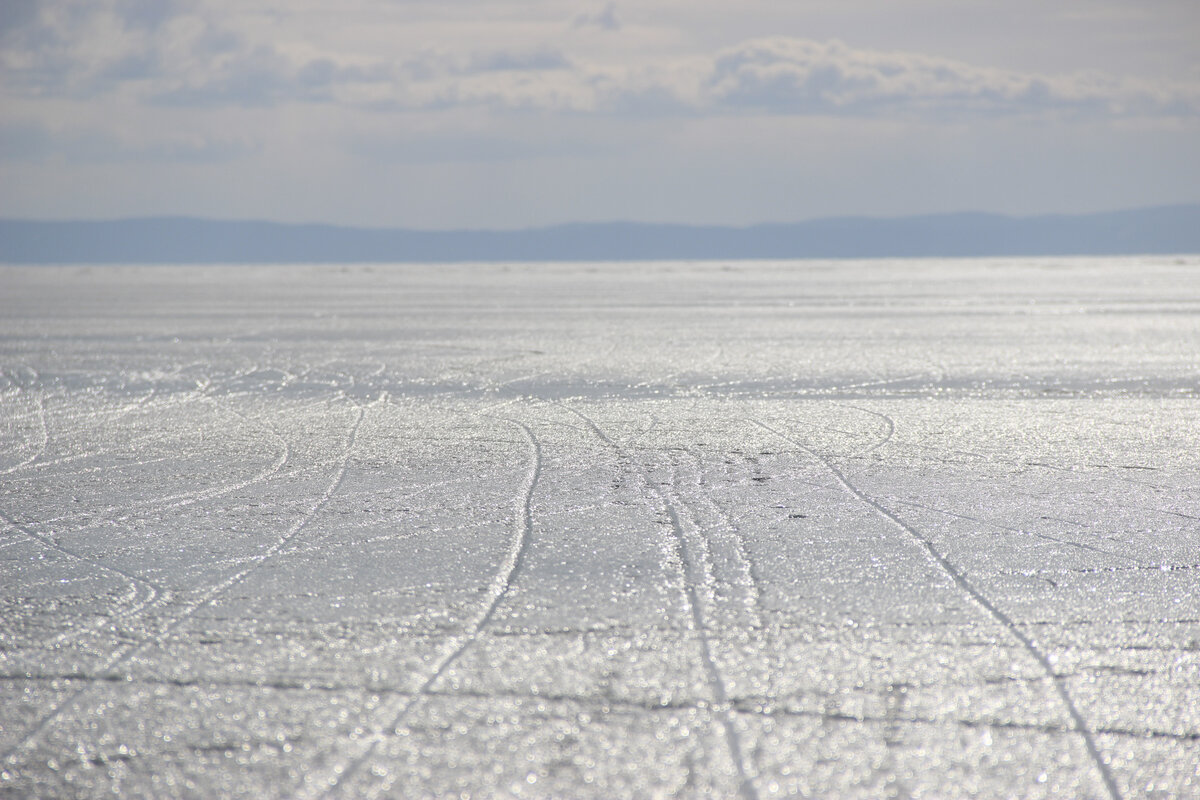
(796,76)
(539,60)
(683,110)
(189,56)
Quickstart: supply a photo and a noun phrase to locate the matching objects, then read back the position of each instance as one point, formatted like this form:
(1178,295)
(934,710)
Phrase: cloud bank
(179,56)
(527,112)
(796,76)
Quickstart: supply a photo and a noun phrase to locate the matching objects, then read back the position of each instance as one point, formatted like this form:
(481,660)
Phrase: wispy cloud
(178,55)
(425,112)
(796,76)
(542,59)
(264,76)
(605,19)
(799,77)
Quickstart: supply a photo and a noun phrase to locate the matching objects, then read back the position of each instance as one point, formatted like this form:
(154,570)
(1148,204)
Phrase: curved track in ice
(960,580)
(777,529)
(696,572)
(501,584)
(194,604)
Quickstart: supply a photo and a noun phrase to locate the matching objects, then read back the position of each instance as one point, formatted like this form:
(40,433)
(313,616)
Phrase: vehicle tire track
(888,422)
(722,707)
(156,596)
(72,421)
(123,654)
(753,576)
(891,430)
(750,582)
(501,584)
(960,580)
(152,589)
(164,503)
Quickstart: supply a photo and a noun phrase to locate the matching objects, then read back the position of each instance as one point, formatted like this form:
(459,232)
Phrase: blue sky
(509,113)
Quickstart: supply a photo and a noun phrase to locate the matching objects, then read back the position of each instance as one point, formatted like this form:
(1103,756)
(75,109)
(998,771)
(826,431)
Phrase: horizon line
(974,213)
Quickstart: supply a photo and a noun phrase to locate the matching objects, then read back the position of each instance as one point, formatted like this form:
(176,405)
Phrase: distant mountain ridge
(1162,229)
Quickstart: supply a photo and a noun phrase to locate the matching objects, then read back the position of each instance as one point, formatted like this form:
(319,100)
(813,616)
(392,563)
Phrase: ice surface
(879,529)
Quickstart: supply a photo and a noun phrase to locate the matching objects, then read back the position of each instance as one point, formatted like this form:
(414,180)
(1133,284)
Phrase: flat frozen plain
(815,529)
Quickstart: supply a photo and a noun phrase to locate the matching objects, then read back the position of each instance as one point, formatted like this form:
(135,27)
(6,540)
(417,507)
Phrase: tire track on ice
(207,494)
(73,421)
(157,596)
(887,436)
(501,584)
(960,580)
(82,471)
(753,576)
(152,589)
(189,609)
(891,430)
(165,503)
(722,706)
(125,653)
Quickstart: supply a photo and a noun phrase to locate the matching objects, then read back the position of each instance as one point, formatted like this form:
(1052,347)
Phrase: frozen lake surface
(878,529)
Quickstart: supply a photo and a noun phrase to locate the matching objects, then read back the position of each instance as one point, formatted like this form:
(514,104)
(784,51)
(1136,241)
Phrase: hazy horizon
(149,240)
(316,223)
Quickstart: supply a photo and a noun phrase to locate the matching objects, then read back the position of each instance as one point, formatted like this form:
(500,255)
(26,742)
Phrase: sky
(515,113)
